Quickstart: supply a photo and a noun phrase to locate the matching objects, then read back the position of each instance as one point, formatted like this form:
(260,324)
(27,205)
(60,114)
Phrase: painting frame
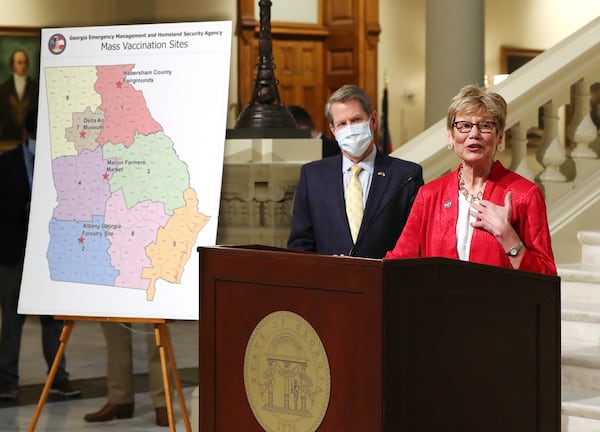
(29,40)
(511,58)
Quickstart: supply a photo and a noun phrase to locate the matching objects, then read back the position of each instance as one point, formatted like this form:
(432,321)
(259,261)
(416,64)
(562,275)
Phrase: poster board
(128,168)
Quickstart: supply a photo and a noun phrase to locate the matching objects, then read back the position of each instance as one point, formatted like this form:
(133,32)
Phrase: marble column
(455,52)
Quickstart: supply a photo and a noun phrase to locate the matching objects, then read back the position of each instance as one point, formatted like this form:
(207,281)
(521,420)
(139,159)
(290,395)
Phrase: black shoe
(8,391)
(63,388)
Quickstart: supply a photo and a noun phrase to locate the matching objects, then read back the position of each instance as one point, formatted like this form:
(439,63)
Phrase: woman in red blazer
(481,212)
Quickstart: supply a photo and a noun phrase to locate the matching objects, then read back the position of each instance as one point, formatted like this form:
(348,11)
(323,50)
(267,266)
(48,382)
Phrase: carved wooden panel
(340,11)
(351,48)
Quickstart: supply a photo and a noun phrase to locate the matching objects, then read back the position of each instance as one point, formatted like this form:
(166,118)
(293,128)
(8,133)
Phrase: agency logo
(286,374)
(57,43)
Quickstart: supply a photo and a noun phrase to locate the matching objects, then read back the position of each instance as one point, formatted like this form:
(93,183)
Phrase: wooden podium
(413,345)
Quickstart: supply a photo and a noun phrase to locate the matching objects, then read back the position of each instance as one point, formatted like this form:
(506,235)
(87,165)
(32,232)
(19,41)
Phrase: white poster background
(190,104)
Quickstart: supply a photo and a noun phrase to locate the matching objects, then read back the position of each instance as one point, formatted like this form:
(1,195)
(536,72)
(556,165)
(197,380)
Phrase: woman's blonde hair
(472,99)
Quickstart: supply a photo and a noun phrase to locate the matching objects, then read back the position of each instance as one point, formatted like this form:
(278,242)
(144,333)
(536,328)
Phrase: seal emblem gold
(286,374)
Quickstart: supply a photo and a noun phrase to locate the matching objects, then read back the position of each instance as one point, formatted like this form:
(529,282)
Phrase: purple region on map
(81,186)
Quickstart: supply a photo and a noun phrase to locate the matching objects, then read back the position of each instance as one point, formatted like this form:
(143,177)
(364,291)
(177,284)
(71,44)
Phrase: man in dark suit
(16,174)
(304,121)
(389,186)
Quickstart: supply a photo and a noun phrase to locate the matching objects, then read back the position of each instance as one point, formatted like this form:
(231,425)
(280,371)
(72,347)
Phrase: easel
(163,342)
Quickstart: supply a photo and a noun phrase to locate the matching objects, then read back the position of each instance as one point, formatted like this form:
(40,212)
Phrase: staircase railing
(550,135)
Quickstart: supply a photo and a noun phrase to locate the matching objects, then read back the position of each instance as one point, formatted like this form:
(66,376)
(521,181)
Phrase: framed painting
(513,58)
(19,78)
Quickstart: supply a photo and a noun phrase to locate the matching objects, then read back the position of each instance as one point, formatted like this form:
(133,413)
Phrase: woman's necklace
(461,187)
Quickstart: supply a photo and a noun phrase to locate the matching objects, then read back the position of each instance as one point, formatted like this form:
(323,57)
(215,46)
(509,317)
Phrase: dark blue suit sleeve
(302,232)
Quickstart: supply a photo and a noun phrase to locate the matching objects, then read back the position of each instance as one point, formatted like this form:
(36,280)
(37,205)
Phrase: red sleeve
(409,242)
(532,221)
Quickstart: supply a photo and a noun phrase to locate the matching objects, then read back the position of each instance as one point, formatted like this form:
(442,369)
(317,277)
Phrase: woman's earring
(500,146)
(450,146)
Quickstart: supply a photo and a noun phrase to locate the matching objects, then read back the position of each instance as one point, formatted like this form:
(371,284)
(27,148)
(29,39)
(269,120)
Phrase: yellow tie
(354,202)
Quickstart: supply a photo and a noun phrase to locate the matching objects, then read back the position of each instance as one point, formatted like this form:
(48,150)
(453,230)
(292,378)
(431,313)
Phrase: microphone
(405,182)
(363,233)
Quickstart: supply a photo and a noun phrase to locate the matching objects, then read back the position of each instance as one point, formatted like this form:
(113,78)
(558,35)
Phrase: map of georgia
(126,215)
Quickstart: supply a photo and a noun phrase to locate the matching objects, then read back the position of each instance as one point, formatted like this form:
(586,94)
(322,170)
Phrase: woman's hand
(493,218)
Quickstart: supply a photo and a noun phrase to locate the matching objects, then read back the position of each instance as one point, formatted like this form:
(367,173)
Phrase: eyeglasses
(484,126)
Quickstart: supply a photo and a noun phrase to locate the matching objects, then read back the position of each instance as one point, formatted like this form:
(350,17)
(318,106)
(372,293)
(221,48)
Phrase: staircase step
(580,377)
(578,402)
(578,424)
(580,365)
(580,331)
(580,354)
(580,310)
(579,272)
(590,247)
(579,281)
(580,338)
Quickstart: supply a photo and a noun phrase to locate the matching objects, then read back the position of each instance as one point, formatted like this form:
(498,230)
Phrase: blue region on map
(74,257)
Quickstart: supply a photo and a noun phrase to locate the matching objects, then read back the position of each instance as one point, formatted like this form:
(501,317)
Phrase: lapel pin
(448,204)
(381,173)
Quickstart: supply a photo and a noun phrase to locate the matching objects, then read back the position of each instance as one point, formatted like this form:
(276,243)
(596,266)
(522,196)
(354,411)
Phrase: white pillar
(552,153)
(454,52)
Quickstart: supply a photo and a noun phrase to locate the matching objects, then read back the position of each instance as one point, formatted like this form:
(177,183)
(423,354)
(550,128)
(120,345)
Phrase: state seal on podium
(286,374)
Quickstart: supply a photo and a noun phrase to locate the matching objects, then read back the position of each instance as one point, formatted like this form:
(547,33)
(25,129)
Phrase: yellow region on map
(174,243)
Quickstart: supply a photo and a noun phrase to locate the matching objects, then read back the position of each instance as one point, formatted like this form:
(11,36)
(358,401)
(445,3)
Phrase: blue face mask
(355,139)
(31,145)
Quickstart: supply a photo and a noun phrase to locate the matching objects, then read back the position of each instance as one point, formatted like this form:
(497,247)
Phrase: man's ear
(373,120)
(332,129)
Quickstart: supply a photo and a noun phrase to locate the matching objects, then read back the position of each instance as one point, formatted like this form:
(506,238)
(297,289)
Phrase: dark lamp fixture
(265,110)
